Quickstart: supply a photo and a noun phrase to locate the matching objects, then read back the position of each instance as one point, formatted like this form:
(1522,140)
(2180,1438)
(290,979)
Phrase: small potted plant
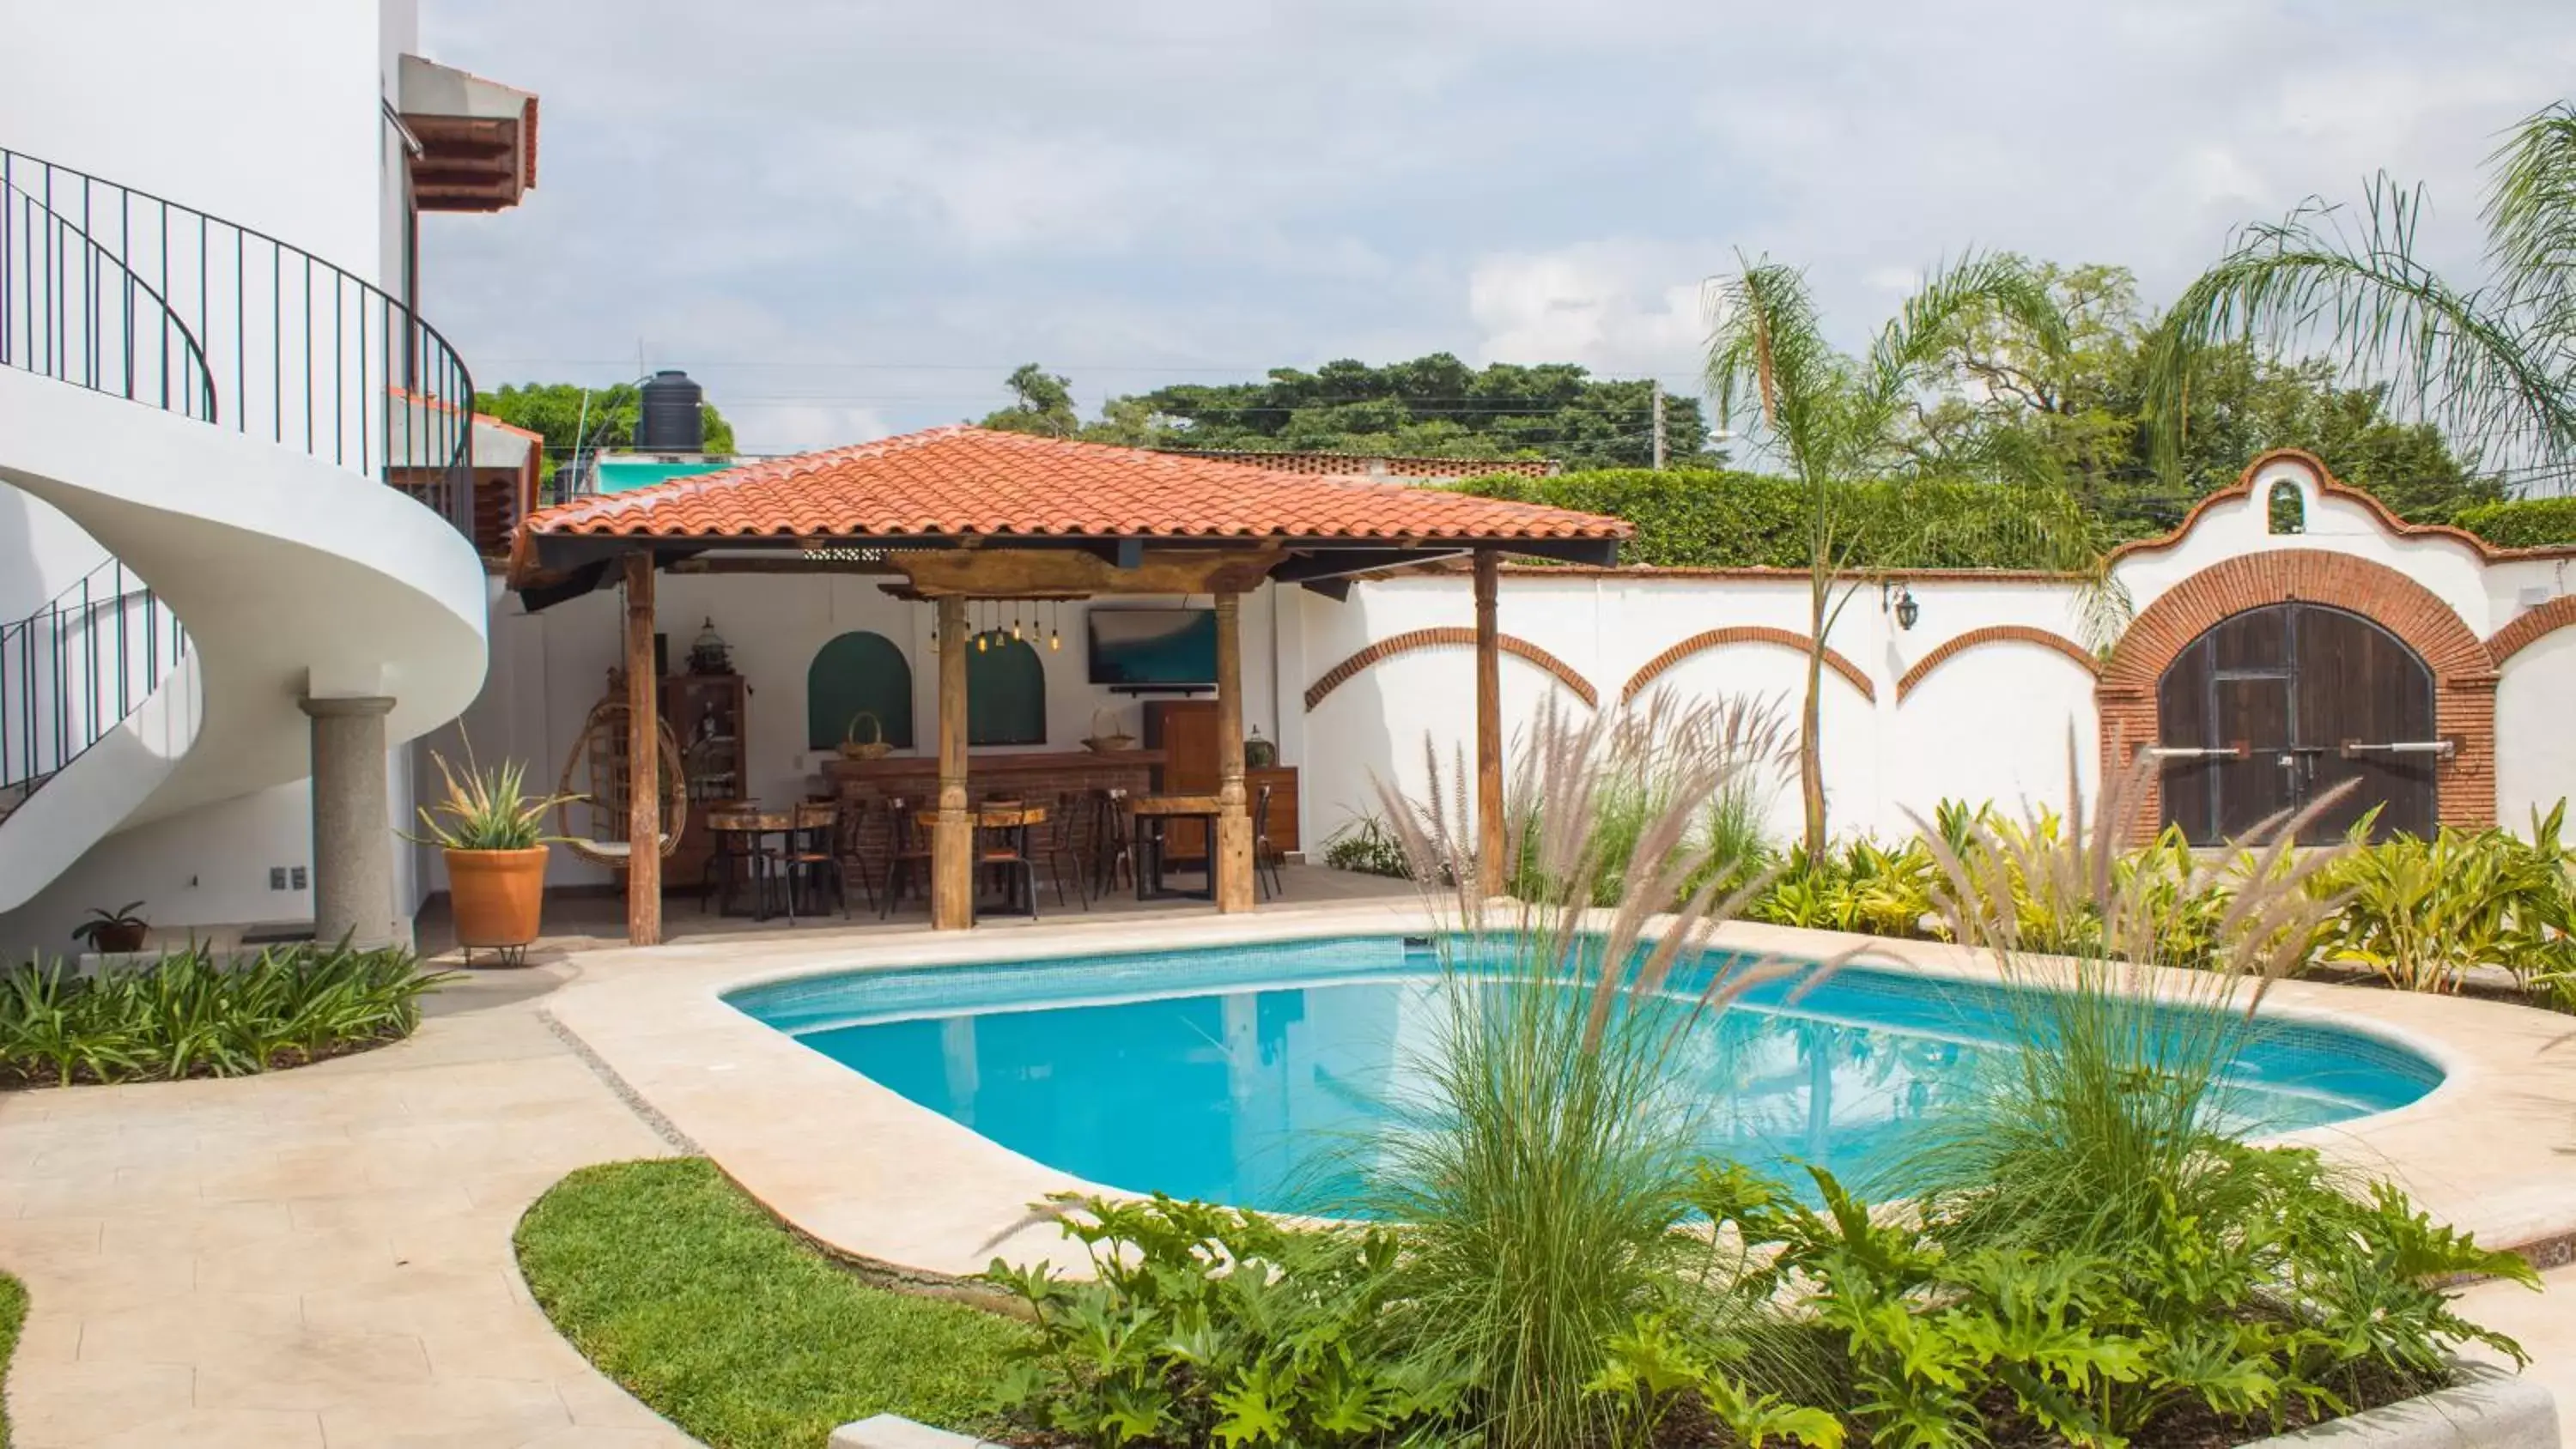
(492,832)
(112,933)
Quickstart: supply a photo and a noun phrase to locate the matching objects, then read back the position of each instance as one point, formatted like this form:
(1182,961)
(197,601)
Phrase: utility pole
(1659,426)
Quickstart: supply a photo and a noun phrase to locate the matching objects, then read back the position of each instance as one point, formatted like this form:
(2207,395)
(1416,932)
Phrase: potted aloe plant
(113,932)
(492,832)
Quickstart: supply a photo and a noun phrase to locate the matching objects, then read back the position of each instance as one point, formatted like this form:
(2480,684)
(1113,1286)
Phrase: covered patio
(962,519)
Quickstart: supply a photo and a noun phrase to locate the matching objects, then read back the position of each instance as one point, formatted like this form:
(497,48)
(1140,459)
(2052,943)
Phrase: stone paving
(316,1258)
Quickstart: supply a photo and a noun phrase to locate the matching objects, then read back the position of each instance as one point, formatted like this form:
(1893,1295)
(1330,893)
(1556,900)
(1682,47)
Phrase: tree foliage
(1435,406)
(2080,416)
(573,416)
(2493,361)
(1831,420)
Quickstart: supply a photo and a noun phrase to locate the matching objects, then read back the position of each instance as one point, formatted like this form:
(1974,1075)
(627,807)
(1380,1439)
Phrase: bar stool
(908,859)
(1111,845)
(811,858)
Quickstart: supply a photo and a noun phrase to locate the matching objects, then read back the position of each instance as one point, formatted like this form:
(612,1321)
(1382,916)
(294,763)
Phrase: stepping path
(315,1258)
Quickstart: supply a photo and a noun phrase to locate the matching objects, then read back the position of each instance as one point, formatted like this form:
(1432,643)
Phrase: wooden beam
(1490,848)
(777,564)
(1230,863)
(643,761)
(1003,573)
(952,839)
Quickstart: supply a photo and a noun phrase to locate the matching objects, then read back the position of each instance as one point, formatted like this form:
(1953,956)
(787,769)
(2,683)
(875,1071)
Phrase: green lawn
(684,1290)
(13,1316)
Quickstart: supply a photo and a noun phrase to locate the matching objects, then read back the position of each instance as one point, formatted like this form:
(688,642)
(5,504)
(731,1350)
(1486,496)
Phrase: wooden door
(2299,697)
(2361,690)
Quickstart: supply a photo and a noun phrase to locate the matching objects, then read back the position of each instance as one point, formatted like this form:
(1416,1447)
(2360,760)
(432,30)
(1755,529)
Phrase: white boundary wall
(1992,722)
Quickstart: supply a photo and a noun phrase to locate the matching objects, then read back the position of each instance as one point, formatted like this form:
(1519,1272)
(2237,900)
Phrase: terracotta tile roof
(965,481)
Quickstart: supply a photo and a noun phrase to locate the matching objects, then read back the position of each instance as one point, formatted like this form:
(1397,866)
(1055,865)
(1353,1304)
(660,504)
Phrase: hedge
(1742,520)
(1738,520)
(2521,523)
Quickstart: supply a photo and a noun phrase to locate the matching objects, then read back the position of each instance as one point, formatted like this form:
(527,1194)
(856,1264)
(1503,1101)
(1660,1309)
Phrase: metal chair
(908,860)
(1112,847)
(812,857)
(1067,835)
(1266,854)
(734,857)
(1004,851)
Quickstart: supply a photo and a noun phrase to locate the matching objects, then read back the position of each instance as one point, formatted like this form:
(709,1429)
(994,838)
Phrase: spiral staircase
(275,457)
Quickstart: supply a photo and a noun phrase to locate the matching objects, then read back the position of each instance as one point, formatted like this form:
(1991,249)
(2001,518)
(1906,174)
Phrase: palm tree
(1836,422)
(2493,364)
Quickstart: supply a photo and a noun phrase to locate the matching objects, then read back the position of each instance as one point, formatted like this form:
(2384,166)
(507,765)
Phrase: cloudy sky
(850,219)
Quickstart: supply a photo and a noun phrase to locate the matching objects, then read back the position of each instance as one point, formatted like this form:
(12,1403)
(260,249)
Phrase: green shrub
(1542,1155)
(1365,844)
(2318,1305)
(1202,1325)
(2521,522)
(1737,520)
(189,1014)
(2420,913)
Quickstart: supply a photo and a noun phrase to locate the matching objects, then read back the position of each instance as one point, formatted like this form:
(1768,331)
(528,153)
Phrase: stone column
(353,838)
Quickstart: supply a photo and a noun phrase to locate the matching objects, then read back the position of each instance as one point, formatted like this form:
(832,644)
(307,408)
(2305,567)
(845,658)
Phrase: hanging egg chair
(596,784)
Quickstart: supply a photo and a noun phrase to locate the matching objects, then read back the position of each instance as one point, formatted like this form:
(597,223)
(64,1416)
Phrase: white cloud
(1615,307)
(1150,191)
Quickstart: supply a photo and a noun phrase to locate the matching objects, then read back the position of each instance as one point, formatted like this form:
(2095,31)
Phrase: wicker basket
(874,747)
(1110,744)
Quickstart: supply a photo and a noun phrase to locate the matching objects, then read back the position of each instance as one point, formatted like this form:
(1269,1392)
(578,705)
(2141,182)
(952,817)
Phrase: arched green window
(857,673)
(1005,694)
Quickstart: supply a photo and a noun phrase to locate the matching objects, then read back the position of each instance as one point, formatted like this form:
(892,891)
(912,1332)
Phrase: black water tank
(672,422)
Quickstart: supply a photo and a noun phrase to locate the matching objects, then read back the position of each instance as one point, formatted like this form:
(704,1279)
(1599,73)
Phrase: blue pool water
(1258,1075)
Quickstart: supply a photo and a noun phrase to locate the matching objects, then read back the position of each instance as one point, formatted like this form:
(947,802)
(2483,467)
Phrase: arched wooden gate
(2271,708)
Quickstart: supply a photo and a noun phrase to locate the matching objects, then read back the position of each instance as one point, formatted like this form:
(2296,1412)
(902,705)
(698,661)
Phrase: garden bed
(191,1014)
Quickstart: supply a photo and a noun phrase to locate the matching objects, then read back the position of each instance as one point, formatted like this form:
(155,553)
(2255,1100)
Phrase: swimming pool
(1256,1075)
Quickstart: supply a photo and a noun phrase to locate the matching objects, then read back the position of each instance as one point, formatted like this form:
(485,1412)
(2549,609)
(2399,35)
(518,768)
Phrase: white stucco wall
(1991,723)
(203,105)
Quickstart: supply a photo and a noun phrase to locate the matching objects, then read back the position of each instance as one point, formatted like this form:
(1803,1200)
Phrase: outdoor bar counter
(1027,774)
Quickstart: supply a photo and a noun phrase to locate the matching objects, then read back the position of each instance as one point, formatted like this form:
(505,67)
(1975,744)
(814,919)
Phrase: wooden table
(1151,813)
(1015,818)
(754,826)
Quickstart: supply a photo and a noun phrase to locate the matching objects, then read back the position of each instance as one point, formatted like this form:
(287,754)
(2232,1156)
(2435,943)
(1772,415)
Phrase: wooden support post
(1230,861)
(643,761)
(952,839)
(1490,847)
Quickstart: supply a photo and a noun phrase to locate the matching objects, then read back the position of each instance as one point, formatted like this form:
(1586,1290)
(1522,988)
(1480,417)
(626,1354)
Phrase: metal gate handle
(2200,752)
(2442,748)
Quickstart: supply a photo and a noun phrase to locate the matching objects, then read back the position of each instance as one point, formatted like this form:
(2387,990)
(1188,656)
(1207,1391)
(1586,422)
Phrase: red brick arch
(1405,643)
(2530,627)
(2464,672)
(1952,648)
(1745,634)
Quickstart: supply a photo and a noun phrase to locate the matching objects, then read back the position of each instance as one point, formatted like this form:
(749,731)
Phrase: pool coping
(912,1196)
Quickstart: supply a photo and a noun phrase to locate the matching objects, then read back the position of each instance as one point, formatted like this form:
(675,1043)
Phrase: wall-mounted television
(1153,648)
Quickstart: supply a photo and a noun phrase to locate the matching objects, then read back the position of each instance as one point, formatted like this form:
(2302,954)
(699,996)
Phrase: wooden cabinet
(1185,731)
(710,715)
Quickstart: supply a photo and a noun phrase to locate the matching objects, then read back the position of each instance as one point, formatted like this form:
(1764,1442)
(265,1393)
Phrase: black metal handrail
(76,669)
(289,347)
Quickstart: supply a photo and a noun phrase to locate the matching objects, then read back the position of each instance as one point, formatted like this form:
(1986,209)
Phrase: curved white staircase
(166,421)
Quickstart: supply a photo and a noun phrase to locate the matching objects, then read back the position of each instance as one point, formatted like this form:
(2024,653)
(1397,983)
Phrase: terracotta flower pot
(498,896)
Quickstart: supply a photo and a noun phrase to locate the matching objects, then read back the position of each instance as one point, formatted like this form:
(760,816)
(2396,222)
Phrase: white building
(210,371)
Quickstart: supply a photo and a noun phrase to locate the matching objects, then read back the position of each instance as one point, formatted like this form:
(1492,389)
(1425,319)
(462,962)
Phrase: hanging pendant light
(1055,636)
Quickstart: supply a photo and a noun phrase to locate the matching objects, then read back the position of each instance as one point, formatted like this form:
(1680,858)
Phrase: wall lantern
(1900,600)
